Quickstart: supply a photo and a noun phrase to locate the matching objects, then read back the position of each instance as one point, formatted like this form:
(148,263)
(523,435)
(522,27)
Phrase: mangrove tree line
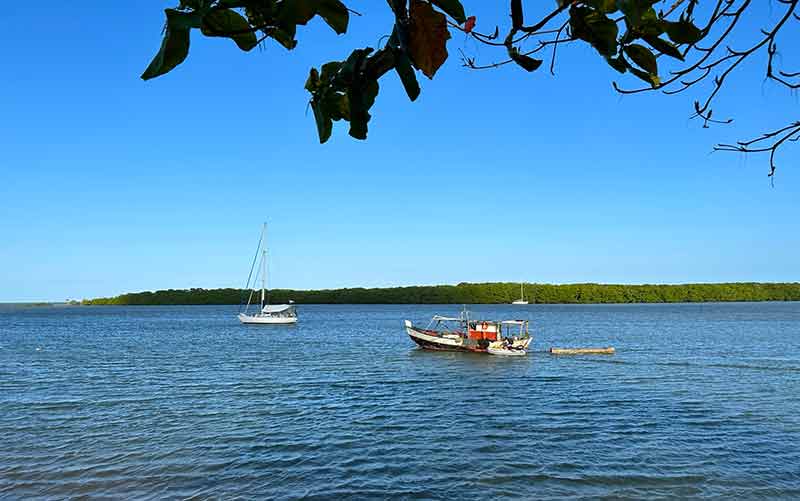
(483,293)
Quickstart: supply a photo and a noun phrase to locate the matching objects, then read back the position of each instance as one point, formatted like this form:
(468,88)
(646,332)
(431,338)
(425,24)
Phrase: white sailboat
(521,299)
(267,314)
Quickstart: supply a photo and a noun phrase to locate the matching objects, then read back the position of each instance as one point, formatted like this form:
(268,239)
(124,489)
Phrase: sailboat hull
(266,320)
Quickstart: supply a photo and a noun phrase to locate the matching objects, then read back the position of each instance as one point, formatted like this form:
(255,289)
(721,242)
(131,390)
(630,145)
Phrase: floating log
(582,351)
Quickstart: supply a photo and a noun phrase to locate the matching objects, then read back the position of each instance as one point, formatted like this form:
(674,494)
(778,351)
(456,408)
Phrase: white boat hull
(266,319)
(518,348)
(518,301)
(506,352)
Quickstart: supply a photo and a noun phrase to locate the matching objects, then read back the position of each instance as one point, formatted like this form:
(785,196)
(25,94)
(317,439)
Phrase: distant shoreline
(478,293)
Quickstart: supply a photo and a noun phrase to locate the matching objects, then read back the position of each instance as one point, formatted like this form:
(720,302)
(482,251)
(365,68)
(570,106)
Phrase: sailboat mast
(264,268)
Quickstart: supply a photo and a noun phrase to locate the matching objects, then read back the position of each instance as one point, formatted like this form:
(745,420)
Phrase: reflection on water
(700,400)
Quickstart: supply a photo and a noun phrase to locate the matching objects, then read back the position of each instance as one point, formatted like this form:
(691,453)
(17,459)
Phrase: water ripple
(181,402)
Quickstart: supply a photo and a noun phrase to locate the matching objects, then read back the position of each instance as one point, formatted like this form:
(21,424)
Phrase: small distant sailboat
(521,299)
(267,314)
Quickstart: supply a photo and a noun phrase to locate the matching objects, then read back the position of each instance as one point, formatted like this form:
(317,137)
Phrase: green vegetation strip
(487,293)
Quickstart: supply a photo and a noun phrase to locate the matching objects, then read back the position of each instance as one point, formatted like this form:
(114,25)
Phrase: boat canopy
(461,319)
(276,308)
(447,319)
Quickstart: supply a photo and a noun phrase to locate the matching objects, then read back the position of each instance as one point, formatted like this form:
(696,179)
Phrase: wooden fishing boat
(503,337)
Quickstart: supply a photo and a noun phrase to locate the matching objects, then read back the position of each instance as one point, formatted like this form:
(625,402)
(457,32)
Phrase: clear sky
(109,184)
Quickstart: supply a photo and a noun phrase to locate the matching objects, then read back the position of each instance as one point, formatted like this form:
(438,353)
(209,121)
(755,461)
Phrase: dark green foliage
(683,31)
(516,14)
(452,8)
(663,46)
(486,293)
(343,91)
(642,57)
(246,22)
(220,22)
(595,28)
(420,31)
(335,14)
(526,62)
(175,45)
(406,73)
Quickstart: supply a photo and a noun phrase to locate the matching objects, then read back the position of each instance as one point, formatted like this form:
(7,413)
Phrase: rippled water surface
(171,402)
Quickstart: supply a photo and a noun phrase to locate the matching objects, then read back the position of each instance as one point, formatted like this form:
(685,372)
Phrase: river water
(700,400)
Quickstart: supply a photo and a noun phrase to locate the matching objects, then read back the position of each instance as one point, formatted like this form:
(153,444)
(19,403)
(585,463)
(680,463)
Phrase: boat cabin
(279,310)
(479,330)
(483,330)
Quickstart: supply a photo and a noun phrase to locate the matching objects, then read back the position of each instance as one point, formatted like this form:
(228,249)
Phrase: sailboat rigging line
(252,267)
(266,265)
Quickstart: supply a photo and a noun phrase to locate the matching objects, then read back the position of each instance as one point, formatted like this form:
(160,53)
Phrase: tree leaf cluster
(629,34)
(594,21)
(245,22)
(340,90)
(346,90)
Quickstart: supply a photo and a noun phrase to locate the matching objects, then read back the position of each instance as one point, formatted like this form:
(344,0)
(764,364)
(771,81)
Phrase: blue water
(700,400)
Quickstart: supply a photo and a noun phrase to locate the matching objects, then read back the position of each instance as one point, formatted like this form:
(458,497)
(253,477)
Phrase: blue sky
(109,184)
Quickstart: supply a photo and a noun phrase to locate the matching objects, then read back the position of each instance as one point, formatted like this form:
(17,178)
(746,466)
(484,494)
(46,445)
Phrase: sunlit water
(174,402)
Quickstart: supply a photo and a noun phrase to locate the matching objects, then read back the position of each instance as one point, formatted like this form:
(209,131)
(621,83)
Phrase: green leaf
(595,28)
(683,31)
(635,10)
(205,4)
(352,65)
(327,103)
(604,32)
(174,46)
(406,73)
(516,14)
(452,8)
(618,63)
(324,122)
(643,57)
(312,82)
(190,4)
(230,24)
(337,106)
(650,24)
(329,70)
(334,13)
(650,78)
(604,6)
(526,62)
(294,12)
(230,4)
(282,38)
(178,20)
(664,47)
(361,99)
